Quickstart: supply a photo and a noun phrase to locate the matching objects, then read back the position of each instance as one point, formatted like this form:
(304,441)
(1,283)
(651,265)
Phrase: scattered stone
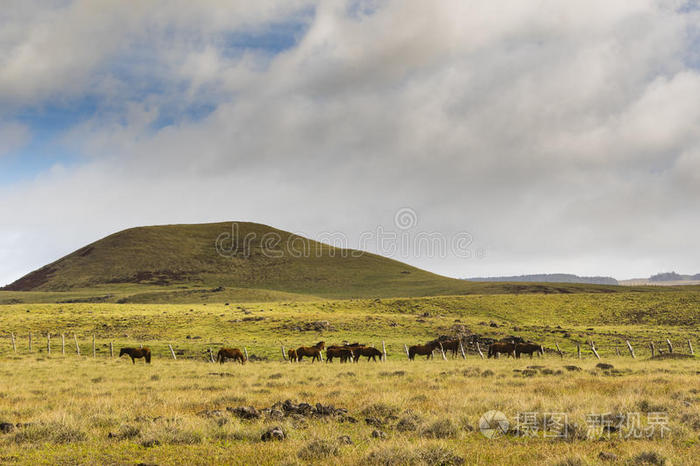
(378,434)
(345,440)
(245,412)
(373,421)
(604,366)
(572,368)
(607,456)
(276,433)
(6,427)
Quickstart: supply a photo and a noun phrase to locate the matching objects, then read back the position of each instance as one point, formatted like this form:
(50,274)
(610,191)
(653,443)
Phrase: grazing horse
(528,348)
(501,347)
(343,352)
(136,353)
(292,354)
(450,345)
(230,353)
(368,351)
(426,350)
(313,352)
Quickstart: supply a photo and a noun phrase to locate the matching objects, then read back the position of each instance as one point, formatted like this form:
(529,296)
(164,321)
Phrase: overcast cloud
(563,136)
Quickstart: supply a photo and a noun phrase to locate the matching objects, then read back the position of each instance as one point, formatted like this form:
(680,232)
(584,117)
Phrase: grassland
(567,319)
(174,412)
(104,411)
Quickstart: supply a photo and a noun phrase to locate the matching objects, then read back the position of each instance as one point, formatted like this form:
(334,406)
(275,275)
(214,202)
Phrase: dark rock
(150,443)
(276,414)
(607,456)
(6,427)
(604,366)
(572,368)
(373,421)
(245,412)
(345,440)
(276,433)
(378,434)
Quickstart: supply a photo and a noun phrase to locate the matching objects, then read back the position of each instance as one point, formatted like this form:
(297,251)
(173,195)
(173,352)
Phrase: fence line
(614,348)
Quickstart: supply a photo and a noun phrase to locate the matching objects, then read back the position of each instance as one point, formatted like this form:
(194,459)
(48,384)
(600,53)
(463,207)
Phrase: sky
(523,137)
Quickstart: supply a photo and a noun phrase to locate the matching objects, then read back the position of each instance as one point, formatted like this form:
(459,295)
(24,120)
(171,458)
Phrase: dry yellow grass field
(108,411)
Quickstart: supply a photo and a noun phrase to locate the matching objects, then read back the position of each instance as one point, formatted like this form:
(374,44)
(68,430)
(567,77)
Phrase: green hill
(176,263)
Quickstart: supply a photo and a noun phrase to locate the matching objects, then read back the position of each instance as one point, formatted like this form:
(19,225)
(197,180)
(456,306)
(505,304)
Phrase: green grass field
(174,411)
(567,319)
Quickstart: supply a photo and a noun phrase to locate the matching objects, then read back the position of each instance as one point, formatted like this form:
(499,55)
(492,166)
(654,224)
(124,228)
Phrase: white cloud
(562,135)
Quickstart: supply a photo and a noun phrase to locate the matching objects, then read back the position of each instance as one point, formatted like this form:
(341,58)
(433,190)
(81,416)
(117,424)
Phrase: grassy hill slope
(174,262)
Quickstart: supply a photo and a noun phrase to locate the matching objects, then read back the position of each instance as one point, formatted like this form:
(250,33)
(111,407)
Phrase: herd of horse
(346,352)
(352,352)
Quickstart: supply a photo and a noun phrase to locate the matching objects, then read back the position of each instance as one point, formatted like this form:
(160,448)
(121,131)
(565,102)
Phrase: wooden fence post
(578,350)
(245,350)
(172,352)
(14,344)
(284,353)
(653,349)
(77,348)
(442,351)
(406,349)
(478,348)
(629,347)
(690,347)
(461,349)
(561,355)
(30,341)
(63,344)
(48,342)
(211,355)
(594,350)
(111,350)
(384,350)
(670,347)
(94,351)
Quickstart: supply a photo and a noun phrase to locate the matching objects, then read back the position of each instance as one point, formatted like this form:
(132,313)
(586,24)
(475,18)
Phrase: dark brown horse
(424,350)
(137,353)
(450,345)
(292,354)
(371,353)
(342,352)
(501,347)
(313,352)
(528,348)
(230,353)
